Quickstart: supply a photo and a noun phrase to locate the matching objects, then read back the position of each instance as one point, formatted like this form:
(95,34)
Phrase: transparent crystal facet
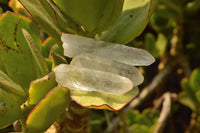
(97,63)
(80,78)
(74,45)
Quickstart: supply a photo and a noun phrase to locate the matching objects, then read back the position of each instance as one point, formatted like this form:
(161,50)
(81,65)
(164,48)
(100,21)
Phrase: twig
(77,120)
(123,122)
(17,126)
(113,125)
(177,47)
(166,110)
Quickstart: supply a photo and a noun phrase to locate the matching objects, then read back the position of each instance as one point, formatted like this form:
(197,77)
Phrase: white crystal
(74,45)
(97,63)
(100,66)
(80,78)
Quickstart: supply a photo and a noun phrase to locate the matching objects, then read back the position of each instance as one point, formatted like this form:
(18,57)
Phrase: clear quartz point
(75,77)
(97,63)
(74,45)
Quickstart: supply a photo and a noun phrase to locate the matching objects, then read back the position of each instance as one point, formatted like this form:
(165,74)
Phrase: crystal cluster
(100,66)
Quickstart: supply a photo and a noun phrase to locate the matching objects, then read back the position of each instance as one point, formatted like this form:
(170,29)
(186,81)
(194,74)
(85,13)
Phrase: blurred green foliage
(144,122)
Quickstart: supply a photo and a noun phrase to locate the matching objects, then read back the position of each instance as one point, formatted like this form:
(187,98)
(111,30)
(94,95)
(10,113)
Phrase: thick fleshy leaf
(57,59)
(57,56)
(44,17)
(37,55)
(198,95)
(14,4)
(94,16)
(16,57)
(139,128)
(195,80)
(40,87)
(185,99)
(63,21)
(48,110)
(49,63)
(9,108)
(57,50)
(9,85)
(190,93)
(100,100)
(148,117)
(135,16)
(156,47)
(46,46)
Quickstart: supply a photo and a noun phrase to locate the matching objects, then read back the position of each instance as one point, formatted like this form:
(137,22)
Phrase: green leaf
(161,44)
(44,17)
(148,118)
(191,93)
(188,96)
(49,63)
(96,121)
(156,48)
(9,108)
(37,56)
(142,120)
(64,21)
(57,50)
(173,6)
(187,101)
(151,116)
(40,87)
(46,46)
(48,110)
(57,56)
(16,57)
(57,59)
(14,4)
(135,16)
(94,16)
(198,95)
(9,85)
(195,80)
(103,100)
(137,128)
(131,115)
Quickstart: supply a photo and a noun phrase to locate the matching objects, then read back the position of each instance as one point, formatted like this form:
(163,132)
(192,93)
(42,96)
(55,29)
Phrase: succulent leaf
(135,16)
(48,110)
(40,87)
(93,15)
(9,108)
(16,58)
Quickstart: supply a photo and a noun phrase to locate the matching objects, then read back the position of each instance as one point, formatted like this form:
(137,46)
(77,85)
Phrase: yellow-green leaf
(48,110)
(135,16)
(40,87)
(16,58)
(103,100)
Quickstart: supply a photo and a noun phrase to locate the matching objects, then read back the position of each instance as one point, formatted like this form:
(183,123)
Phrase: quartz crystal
(97,63)
(100,66)
(74,45)
(75,77)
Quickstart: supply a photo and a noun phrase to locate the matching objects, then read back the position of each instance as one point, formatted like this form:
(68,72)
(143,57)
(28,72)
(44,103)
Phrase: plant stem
(167,99)
(77,120)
